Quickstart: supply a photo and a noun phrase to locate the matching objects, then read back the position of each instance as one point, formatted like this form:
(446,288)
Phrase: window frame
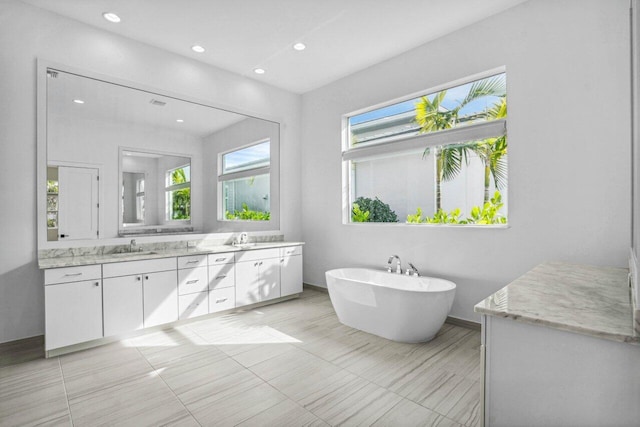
(388,147)
(244,173)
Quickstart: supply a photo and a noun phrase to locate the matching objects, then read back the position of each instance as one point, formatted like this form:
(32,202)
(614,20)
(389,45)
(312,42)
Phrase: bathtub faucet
(398,265)
(412,270)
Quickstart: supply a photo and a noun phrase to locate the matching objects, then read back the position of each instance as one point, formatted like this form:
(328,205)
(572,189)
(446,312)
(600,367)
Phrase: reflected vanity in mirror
(117,159)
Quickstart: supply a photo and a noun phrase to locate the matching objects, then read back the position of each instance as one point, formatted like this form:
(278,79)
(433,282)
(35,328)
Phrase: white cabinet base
(73,313)
(540,376)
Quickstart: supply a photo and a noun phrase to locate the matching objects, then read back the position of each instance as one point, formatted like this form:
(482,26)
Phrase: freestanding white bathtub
(393,306)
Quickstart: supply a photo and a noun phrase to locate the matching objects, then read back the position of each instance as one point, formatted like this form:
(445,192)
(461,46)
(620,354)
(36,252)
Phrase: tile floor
(288,364)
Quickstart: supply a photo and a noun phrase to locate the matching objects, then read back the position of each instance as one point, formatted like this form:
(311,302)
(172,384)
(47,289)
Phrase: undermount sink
(126,254)
(244,245)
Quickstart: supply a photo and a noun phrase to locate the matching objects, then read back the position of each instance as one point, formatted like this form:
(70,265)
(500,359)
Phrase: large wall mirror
(120,160)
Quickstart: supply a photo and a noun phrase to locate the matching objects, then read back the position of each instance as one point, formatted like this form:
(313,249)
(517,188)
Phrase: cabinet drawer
(253,255)
(222,276)
(136,267)
(72,274)
(193,305)
(291,250)
(224,258)
(192,280)
(222,299)
(192,261)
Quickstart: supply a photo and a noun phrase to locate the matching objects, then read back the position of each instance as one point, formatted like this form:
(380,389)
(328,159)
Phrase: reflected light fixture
(197,48)
(299,46)
(179,120)
(78,101)
(111,17)
(259,71)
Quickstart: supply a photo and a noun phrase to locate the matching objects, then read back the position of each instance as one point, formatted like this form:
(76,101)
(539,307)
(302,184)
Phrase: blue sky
(452,99)
(249,155)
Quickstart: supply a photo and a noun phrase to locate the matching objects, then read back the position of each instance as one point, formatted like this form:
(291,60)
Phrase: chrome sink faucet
(398,264)
(132,245)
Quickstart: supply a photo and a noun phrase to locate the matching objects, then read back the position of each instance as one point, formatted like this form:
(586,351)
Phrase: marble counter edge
(623,338)
(44,263)
(489,308)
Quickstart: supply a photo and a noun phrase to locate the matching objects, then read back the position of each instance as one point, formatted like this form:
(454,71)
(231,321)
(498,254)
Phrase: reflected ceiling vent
(157,102)
(52,74)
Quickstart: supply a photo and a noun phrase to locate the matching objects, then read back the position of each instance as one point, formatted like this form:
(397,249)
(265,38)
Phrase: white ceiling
(342,36)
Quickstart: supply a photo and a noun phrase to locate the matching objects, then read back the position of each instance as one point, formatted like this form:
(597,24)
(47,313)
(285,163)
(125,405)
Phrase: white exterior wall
(28,33)
(569,177)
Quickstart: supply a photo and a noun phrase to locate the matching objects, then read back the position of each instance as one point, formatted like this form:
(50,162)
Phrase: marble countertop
(589,300)
(69,261)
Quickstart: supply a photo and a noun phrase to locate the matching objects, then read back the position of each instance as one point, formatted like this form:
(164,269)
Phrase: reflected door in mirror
(76,216)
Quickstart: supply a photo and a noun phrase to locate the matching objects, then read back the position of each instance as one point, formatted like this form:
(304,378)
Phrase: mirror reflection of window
(178,193)
(140,200)
(245,183)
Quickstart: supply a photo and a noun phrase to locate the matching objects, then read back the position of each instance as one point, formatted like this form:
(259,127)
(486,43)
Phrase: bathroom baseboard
(315,287)
(463,323)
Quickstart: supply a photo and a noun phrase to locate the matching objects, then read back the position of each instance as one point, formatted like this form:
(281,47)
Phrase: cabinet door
(269,279)
(247,283)
(73,313)
(160,292)
(122,304)
(290,275)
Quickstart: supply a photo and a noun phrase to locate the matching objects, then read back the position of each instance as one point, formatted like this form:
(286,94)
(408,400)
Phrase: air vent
(158,103)
(52,74)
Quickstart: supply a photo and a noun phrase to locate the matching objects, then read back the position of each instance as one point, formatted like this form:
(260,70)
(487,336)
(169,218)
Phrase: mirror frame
(42,66)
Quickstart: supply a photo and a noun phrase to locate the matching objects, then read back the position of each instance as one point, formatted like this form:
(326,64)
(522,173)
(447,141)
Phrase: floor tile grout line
(155,371)
(64,386)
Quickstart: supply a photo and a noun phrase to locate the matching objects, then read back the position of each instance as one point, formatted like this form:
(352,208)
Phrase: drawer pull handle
(260,263)
(195,261)
(72,274)
(222,276)
(146,277)
(195,304)
(220,259)
(290,252)
(138,278)
(191,282)
(218,301)
(97,284)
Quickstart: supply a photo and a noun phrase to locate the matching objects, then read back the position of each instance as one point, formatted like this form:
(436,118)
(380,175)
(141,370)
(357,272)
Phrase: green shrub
(248,215)
(487,214)
(358,215)
(377,209)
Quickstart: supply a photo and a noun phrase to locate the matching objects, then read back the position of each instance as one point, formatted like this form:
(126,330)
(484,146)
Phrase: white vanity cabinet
(193,286)
(222,282)
(257,276)
(73,305)
(290,270)
(159,303)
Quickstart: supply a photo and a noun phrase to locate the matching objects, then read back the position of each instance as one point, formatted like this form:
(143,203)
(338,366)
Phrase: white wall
(27,33)
(567,69)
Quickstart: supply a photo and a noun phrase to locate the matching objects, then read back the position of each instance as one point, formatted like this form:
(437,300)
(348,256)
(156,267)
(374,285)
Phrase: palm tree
(492,152)
(432,116)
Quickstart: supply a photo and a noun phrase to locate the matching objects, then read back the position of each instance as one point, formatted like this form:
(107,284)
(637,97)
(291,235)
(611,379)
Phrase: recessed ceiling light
(111,17)
(78,101)
(179,120)
(259,71)
(197,48)
(299,46)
